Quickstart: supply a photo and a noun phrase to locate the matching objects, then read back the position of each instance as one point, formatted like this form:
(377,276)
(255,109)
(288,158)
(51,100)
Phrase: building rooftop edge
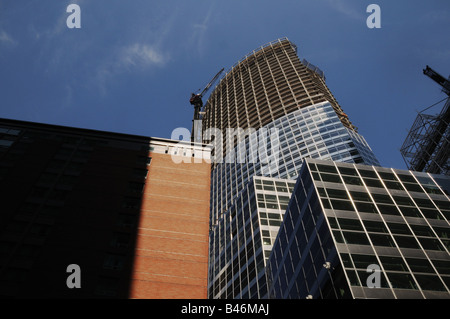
(100,133)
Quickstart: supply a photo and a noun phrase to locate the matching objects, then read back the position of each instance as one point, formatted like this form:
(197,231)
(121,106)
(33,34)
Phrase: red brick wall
(171,257)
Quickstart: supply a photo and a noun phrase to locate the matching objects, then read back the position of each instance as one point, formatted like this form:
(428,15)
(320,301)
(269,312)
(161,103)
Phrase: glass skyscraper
(293,116)
(348,222)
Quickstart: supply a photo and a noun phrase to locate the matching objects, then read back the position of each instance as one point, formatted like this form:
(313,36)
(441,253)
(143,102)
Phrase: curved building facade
(271,111)
(243,224)
(265,85)
(314,131)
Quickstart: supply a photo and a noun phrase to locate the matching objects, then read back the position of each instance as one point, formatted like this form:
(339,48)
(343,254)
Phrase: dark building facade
(347,222)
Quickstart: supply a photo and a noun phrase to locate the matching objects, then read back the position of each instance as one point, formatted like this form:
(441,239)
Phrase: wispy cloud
(6,39)
(141,56)
(137,57)
(346,9)
(199,31)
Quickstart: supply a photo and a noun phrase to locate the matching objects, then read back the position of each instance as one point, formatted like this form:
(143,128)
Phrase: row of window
(392,263)
(340,200)
(402,241)
(396,273)
(328,173)
(394,228)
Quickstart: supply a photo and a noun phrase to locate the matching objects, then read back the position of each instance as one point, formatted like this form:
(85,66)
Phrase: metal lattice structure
(427,146)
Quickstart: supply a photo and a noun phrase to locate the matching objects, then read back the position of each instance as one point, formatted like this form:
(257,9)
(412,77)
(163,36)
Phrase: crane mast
(197,102)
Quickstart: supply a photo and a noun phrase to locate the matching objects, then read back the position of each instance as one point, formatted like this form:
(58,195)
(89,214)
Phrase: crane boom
(439,79)
(196,99)
(211,83)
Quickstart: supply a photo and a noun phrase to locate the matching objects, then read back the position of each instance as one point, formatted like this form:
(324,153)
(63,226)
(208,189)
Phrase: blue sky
(133,64)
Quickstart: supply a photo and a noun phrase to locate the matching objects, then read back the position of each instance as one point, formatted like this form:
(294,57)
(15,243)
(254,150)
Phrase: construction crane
(439,79)
(197,102)
(433,147)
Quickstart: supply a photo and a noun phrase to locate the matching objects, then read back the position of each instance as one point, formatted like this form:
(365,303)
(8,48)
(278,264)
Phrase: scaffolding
(427,146)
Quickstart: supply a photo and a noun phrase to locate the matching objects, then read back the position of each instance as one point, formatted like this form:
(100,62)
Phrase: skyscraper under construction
(269,93)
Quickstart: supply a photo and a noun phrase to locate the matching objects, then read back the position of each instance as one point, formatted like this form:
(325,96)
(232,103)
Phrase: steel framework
(427,146)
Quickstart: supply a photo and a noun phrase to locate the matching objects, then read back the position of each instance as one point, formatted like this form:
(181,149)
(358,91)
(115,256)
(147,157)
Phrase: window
(330,178)
(125,220)
(364,276)
(422,202)
(131,203)
(410,211)
(382,240)
(428,282)
(363,261)
(373,182)
(348,171)
(366,208)
(373,226)
(406,242)
(431,213)
(359,196)
(140,173)
(346,260)
(115,262)
(388,176)
(413,187)
(342,205)
(120,240)
(353,278)
(144,160)
(405,201)
(338,236)
(367,173)
(388,209)
(442,266)
(355,238)
(442,232)
(350,224)
(442,204)
(422,230)
(431,244)
(393,263)
(401,281)
(406,178)
(6,143)
(352,180)
(136,187)
(384,199)
(399,228)
(335,193)
(420,265)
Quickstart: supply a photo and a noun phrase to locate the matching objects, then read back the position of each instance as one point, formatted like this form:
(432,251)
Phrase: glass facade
(314,131)
(345,218)
(240,244)
(281,112)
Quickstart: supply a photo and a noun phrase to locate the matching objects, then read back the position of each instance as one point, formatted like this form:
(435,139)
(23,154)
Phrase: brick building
(119,206)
